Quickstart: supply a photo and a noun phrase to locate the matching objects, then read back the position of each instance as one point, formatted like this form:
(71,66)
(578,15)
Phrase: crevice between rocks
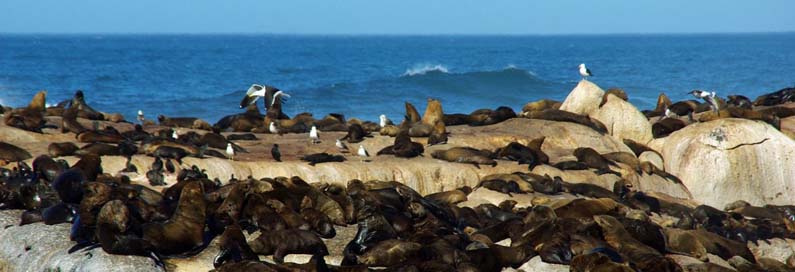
(745,144)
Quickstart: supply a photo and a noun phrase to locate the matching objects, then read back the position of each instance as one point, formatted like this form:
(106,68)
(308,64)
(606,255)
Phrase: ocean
(364,76)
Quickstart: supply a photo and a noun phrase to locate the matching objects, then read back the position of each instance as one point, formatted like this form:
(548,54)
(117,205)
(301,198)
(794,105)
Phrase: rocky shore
(583,184)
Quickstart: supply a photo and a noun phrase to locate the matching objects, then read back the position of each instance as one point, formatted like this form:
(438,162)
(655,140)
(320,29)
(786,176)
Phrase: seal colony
(173,210)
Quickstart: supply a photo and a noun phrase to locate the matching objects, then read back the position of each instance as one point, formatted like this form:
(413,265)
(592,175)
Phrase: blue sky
(396,17)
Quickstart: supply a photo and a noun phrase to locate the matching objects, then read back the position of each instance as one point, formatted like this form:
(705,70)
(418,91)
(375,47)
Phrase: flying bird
(275,153)
(256,91)
(708,97)
(584,72)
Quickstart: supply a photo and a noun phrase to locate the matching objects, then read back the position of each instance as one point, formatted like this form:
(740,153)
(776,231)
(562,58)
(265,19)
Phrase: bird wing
(588,71)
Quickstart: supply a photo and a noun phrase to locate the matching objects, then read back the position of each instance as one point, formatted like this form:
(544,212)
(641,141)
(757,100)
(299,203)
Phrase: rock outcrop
(732,159)
(584,99)
(623,120)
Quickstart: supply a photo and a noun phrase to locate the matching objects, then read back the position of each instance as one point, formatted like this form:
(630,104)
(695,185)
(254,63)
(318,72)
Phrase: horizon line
(404,34)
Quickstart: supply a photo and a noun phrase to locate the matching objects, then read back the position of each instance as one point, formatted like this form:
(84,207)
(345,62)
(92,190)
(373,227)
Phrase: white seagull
(342,147)
(363,152)
(256,91)
(141,117)
(584,72)
(314,135)
(708,97)
(384,121)
(230,152)
(175,135)
(273,129)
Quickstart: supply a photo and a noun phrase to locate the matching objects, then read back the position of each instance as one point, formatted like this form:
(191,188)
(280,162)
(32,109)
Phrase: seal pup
(275,153)
(356,134)
(230,152)
(341,146)
(584,71)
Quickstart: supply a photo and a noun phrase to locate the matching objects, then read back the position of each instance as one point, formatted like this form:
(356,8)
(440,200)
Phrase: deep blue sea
(364,76)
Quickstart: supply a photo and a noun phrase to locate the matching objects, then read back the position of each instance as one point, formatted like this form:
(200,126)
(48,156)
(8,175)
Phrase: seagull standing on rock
(584,72)
(314,135)
(363,152)
(708,97)
(230,152)
(385,121)
(342,147)
(141,117)
(273,129)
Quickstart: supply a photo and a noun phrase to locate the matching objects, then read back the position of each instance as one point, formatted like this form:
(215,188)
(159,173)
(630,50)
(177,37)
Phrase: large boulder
(38,247)
(584,99)
(732,159)
(623,120)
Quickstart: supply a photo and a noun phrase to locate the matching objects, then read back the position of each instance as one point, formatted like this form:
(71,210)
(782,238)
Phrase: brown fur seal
(489,117)
(451,197)
(12,153)
(456,119)
(614,91)
(233,247)
(686,243)
(587,208)
(596,262)
(412,116)
(83,109)
(389,130)
(316,158)
(243,122)
(638,148)
(30,118)
(433,113)
(355,134)
(593,159)
(565,116)
(281,243)
(540,105)
(740,101)
(69,122)
(771,119)
(389,253)
(98,149)
(775,98)
(684,108)
(184,231)
(113,231)
(438,135)
(318,221)
(465,155)
(638,253)
(403,147)
(185,122)
(666,126)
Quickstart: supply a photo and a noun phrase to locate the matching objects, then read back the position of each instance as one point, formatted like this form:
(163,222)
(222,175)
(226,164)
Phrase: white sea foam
(422,69)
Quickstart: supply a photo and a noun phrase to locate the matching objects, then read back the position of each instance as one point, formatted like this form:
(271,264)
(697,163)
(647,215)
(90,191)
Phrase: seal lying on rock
(284,242)
(403,147)
(465,155)
(12,153)
(321,158)
(565,116)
